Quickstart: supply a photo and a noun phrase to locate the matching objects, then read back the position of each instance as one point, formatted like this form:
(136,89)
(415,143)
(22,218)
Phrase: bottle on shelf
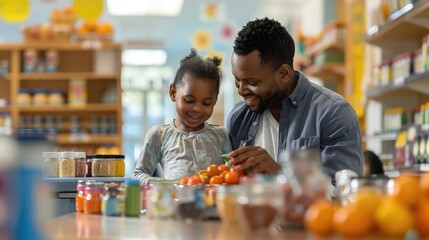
(94,125)
(74,125)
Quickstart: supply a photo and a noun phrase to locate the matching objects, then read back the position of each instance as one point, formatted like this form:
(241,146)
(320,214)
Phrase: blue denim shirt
(312,117)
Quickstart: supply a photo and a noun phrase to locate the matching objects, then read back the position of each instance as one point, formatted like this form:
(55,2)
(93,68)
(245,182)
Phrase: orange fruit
(184,181)
(424,184)
(222,175)
(318,217)
(216,180)
(367,198)
(204,178)
(231,178)
(393,218)
(212,170)
(406,189)
(223,168)
(421,217)
(352,221)
(194,180)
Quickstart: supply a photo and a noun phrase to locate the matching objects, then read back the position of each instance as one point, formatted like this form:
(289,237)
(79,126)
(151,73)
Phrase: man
(283,110)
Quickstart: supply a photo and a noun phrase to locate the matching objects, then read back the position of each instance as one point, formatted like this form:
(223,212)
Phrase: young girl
(188,144)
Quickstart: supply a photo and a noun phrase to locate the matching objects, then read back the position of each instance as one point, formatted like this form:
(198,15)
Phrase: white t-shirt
(268,134)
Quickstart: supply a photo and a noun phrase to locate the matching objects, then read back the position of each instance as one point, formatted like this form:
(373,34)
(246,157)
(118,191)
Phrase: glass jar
(132,198)
(100,165)
(259,206)
(226,203)
(144,190)
(24,97)
(93,197)
(111,166)
(56,97)
(80,196)
(376,185)
(162,203)
(40,97)
(111,202)
(303,183)
(51,164)
(119,165)
(190,202)
(89,166)
(80,164)
(67,164)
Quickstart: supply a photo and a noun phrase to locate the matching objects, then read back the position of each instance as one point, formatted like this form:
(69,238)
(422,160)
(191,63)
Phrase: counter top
(79,225)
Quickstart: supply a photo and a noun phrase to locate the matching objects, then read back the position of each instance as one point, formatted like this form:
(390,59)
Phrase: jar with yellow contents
(119,165)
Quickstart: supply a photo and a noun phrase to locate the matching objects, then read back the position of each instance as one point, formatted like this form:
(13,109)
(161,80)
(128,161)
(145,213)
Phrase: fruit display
(214,175)
(93,30)
(60,29)
(398,208)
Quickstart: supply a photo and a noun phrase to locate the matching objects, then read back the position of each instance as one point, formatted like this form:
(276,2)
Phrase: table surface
(79,225)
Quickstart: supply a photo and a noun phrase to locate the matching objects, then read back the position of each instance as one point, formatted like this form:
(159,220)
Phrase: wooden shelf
(331,46)
(418,83)
(5,109)
(85,45)
(387,136)
(64,139)
(404,29)
(67,76)
(67,108)
(5,77)
(327,71)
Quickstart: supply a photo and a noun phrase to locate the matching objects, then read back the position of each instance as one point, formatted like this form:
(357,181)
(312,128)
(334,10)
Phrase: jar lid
(24,90)
(67,154)
(39,90)
(57,91)
(50,154)
(80,154)
(132,182)
(102,156)
(118,156)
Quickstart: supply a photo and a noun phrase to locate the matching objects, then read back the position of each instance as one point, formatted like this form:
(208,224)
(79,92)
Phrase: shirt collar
(298,93)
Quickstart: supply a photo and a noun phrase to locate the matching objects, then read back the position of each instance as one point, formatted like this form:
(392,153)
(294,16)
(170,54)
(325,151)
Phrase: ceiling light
(144,7)
(144,57)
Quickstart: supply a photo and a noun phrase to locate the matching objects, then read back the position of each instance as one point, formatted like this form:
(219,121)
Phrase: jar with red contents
(94,192)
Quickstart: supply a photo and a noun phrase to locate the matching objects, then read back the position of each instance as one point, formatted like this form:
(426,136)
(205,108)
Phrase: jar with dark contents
(80,164)
(89,166)
(190,202)
(303,183)
(259,204)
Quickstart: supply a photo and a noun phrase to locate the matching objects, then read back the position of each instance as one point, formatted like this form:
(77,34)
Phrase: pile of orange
(404,208)
(214,175)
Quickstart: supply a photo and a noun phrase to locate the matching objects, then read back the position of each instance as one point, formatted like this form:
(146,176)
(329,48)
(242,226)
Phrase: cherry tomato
(184,181)
(222,168)
(194,180)
(216,180)
(212,170)
(222,175)
(240,172)
(231,178)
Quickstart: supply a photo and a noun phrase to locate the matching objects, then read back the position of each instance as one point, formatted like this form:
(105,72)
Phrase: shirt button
(294,103)
(254,123)
(303,147)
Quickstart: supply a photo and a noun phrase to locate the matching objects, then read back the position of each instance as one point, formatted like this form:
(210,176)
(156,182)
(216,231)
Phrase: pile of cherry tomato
(214,175)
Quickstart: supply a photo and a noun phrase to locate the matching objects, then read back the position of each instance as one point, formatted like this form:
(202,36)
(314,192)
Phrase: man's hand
(254,158)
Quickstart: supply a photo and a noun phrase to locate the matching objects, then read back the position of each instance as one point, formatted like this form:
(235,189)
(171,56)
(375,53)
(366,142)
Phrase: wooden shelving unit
(65,76)
(97,63)
(402,32)
(84,139)
(330,72)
